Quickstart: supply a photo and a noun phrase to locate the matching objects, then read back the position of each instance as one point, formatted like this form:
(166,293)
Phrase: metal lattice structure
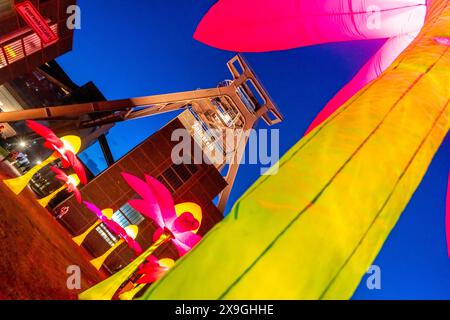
(243,99)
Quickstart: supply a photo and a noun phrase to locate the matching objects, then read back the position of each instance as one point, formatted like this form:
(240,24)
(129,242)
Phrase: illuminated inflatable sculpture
(299,23)
(106,214)
(149,272)
(174,225)
(127,235)
(64,148)
(157,204)
(70,183)
(322,219)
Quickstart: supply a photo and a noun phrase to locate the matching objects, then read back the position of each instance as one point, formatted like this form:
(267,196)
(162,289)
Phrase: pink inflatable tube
(268,25)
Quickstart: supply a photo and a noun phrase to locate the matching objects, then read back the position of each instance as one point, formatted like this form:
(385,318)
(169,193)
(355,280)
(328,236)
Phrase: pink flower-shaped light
(114,227)
(52,142)
(71,185)
(157,204)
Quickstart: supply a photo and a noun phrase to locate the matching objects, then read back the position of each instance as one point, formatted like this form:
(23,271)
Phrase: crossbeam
(244,93)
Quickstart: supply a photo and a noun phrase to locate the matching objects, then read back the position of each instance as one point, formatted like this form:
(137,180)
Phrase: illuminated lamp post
(70,183)
(177,227)
(64,148)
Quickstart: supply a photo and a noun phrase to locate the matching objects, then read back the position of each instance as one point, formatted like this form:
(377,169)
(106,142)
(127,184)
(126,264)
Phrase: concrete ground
(35,250)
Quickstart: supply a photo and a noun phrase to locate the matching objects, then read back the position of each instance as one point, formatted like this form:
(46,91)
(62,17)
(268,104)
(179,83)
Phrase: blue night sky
(137,48)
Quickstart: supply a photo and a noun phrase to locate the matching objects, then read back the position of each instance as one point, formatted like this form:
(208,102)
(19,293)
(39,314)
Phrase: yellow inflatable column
(312,230)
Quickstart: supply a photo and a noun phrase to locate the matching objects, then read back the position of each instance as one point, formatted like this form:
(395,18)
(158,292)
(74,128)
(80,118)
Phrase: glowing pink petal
(382,59)
(150,261)
(77,194)
(157,234)
(76,165)
(140,187)
(51,139)
(268,25)
(93,208)
(152,275)
(133,244)
(60,175)
(184,242)
(185,222)
(164,199)
(114,227)
(181,247)
(190,239)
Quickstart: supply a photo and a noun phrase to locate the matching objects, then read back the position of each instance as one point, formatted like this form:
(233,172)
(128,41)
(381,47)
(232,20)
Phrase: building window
(106,234)
(165,183)
(32,44)
(192,167)
(21,48)
(2,59)
(182,171)
(172,179)
(14,51)
(126,216)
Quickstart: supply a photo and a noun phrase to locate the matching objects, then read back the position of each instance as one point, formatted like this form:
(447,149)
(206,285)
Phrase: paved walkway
(35,250)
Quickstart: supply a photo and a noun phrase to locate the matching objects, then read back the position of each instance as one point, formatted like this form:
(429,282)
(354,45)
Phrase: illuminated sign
(35,20)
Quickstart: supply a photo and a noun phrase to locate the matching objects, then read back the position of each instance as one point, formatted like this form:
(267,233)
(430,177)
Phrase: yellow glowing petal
(192,208)
(72,143)
(132,231)
(73,180)
(108,212)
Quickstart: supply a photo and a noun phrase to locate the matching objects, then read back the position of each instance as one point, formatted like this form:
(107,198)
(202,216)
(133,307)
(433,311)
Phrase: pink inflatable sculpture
(70,184)
(115,228)
(157,204)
